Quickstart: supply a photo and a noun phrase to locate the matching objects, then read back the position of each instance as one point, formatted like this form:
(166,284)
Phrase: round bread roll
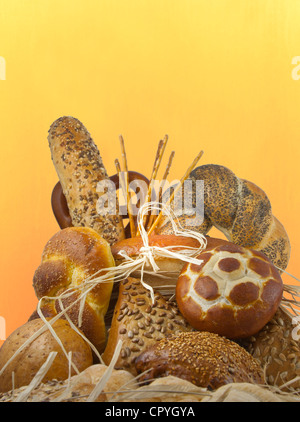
(205,359)
(28,361)
(234,292)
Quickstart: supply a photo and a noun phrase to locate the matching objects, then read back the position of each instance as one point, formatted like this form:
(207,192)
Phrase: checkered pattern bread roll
(234,292)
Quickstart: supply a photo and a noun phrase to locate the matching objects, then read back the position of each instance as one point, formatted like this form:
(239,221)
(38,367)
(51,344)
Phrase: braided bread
(239,209)
(70,257)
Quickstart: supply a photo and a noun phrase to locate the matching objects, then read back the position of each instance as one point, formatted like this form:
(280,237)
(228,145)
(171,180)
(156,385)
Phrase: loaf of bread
(138,322)
(71,257)
(169,268)
(238,208)
(277,348)
(26,363)
(205,359)
(60,206)
(234,292)
(80,168)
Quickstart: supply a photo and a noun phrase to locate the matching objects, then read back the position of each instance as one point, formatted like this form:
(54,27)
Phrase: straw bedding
(123,387)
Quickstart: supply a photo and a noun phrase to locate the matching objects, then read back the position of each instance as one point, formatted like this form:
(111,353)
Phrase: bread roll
(28,361)
(60,206)
(72,256)
(277,348)
(238,208)
(79,167)
(234,292)
(138,323)
(205,359)
(169,268)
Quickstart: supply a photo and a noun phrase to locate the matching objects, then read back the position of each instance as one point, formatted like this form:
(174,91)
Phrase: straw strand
(186,175)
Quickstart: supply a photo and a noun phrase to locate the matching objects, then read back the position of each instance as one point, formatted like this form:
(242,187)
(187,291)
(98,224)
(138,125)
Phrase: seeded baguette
(79,167)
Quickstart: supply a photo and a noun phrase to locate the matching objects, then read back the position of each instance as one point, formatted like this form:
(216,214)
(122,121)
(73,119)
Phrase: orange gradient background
(212,74)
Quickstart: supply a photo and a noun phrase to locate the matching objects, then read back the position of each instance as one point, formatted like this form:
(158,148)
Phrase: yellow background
(212,74)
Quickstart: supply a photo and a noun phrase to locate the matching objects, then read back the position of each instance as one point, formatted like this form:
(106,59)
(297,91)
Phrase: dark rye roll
(79,167)
(239,209)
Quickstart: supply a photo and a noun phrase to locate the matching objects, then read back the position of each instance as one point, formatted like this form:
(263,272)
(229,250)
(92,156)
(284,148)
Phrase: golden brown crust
(79,167)
(276,245)
(133,245)
(138,323)
(169,268)
(238,208)
(205,359)
(29,360)
(69,258)
(234,292)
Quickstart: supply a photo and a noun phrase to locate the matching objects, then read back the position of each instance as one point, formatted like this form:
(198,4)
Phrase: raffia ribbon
(148,254)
